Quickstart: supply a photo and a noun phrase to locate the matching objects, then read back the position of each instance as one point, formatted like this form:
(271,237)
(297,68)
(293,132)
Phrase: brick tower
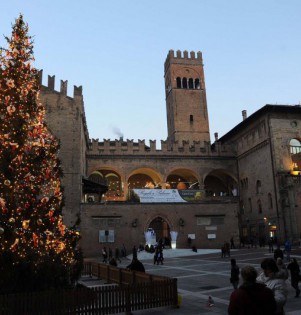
(186,104)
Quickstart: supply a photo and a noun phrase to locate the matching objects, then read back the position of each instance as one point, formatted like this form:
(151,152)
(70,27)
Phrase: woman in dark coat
(251,297)
(294,268)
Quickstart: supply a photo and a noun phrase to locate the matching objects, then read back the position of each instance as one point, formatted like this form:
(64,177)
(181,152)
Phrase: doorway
(161,229)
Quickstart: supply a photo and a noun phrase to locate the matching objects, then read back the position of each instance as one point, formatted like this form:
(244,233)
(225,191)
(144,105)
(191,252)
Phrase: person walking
(269,277)
(278,252)
(294,269)
(117,254)
(288,249)
(234,279)
(223,250)
(251,298)
(110,253)
(123,251)
(271,245)
(227,249)
(104,255)
(232,243)
(156,256)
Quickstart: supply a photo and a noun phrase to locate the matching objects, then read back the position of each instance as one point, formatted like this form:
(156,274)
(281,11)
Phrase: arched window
(197,84)
(241,207)
(270,200)
(184,83)
(250,204)
(258,187)
(190,83)
(179,83)
(259,206)
(295,150)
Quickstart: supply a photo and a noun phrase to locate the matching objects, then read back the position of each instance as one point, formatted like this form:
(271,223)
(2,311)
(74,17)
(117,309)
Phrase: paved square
(203,275)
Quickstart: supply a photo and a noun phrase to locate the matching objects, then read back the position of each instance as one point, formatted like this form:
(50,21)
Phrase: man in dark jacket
(278,253)
(251,297)
(294,268)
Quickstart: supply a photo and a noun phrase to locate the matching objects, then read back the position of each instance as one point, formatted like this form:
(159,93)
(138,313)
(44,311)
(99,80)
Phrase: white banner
(158,195)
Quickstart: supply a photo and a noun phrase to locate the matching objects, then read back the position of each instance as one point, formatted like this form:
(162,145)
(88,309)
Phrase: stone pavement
(203,275)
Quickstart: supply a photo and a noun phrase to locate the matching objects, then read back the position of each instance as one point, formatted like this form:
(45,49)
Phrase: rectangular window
(191,118)
(203,221)
(218,220)
(106,236)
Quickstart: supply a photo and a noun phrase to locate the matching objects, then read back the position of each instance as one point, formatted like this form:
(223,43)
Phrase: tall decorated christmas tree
(37,251)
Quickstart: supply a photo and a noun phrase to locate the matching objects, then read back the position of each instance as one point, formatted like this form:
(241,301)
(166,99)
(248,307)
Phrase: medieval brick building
(245,185)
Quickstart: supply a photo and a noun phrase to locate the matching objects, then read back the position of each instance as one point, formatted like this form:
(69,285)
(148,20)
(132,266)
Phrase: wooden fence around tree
(126,292)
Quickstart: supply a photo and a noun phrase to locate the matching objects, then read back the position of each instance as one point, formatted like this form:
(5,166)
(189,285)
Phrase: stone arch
(161,225)
(97,177)
(144,177)
(114,181)
(187,177)
(220,182)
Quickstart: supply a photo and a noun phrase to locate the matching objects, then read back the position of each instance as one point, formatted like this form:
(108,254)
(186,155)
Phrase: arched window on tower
(190,83)
(270,200)
(179,83)
(295,151)
(259,206)
(197,84)
(184,83)
(258,187)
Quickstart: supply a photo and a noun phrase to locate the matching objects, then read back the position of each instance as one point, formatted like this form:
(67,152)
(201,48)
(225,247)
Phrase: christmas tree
(37,251)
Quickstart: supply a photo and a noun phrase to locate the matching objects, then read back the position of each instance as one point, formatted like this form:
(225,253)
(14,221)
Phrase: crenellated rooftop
(77,96)
(129,147)
(77,90)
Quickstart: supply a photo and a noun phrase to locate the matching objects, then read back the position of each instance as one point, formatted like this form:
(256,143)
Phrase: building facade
(244,185)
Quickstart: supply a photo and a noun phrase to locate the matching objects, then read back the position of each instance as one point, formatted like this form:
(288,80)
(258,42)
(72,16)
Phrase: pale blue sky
(116,50)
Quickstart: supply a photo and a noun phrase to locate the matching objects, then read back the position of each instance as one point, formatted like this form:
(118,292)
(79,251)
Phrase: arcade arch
(143,178)
(182,179)
(112,179)
(220,183)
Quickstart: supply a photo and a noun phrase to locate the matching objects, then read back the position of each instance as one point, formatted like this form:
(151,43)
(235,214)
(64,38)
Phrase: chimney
(216,136)
(244,115)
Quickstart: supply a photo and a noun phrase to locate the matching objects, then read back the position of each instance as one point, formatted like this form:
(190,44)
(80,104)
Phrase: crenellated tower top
(183,57)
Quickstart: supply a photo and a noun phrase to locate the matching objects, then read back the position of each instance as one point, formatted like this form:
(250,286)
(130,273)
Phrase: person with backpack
(104,255)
